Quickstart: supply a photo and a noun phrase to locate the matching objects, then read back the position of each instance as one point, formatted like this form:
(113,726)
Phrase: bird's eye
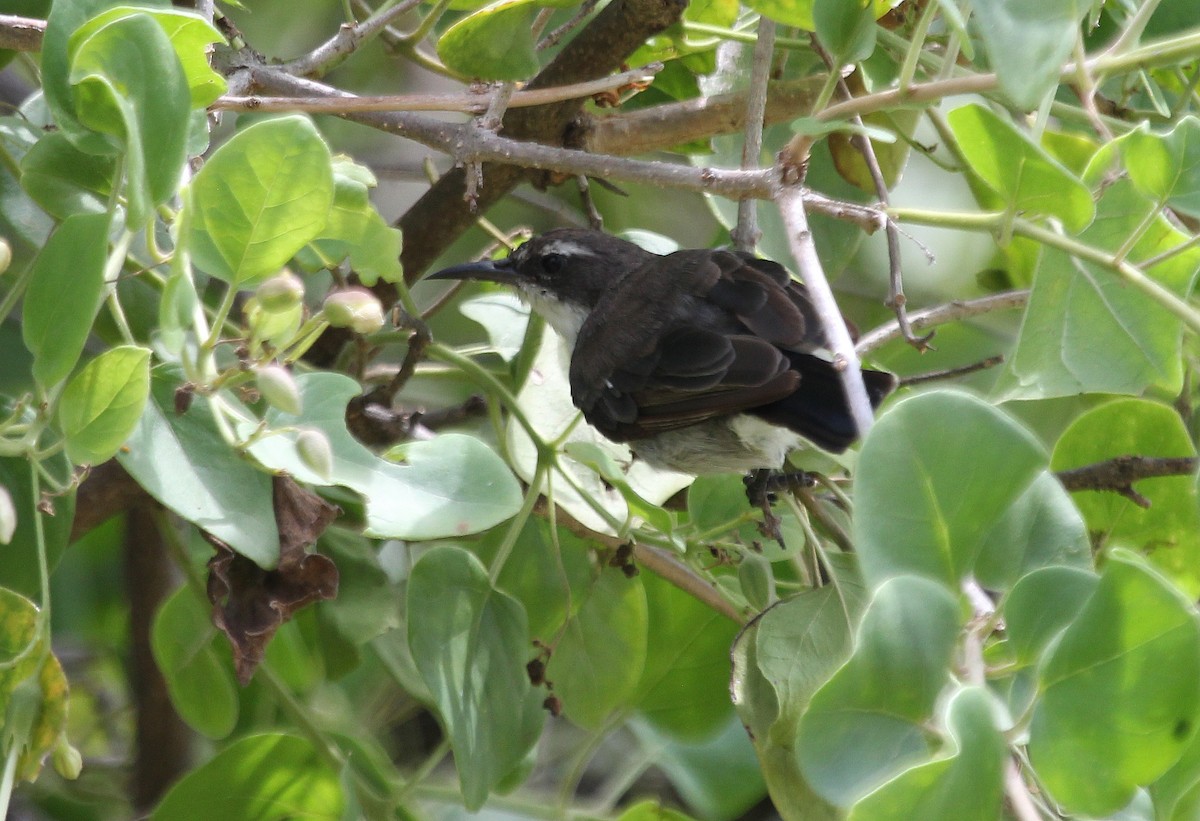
(553,263)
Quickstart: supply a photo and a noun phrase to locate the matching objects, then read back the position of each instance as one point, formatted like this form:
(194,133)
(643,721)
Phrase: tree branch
(940,315)
(1118,474)
(467,103)
(21,33)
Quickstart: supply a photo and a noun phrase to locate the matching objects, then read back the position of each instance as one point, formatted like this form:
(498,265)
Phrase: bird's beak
(492,270)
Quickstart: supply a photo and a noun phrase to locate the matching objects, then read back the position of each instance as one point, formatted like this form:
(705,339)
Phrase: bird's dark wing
(709,333)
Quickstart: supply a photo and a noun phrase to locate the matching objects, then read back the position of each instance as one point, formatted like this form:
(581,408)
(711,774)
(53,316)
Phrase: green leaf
(268,777)
(470,643)
(130,86)
(717,777)
(779,660)
(598,660)
(550,573)
(64,295)
(651,811)
(64,19)
(259,199)
(846,28)
(801,12)
(1027,178)
(183,461)
(64,180)
(197,667)
(189,34)
(503,316)
(1120,692)
(965,781)
(1086,330)
(1169,530)
(684,690)
(355,229)
(1041,528)
(19,563)
(867,723)
(934,478)
(102,403)
(451,485)
(1041,605)
(1166,167)
(18,635)
(494,43)
(1027,42)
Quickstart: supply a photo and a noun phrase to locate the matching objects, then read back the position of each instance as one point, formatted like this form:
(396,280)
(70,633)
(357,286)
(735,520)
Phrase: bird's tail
(818,409)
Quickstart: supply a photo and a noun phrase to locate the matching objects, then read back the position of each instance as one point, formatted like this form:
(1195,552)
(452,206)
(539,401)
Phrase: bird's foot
(761,487)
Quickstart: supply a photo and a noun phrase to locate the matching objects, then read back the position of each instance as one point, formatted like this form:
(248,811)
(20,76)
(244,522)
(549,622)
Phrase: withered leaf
(249,603)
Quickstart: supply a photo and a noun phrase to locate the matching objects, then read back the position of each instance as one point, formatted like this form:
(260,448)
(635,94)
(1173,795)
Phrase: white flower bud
(355,308)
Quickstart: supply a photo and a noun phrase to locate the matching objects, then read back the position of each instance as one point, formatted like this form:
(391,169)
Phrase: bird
(702,361)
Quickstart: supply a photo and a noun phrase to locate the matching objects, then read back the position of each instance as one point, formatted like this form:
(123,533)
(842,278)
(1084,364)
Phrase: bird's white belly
(735,445)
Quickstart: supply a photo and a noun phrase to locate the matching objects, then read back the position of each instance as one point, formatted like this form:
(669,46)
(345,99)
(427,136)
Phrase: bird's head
(561,274)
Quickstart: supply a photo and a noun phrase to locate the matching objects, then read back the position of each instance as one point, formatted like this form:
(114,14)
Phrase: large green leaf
(779,661)
(64,295)
(1168,530)
(494,43)
(259,199)
(1041,528)
(356,230)
(269,777)
(1026,42)
(102,403)
(130,86)
(717,777)
(684,689)
(1085,329)
(197,667)
(1027,178)
(866,724)
(1120,692)
(64,19)
(1041,605)
(846,28)
(470,643)
(934,477)
(964,782)
(800,12)
(64,180)
(450,486)
(189,34)
(1166,167)
(598,660)
(183,461)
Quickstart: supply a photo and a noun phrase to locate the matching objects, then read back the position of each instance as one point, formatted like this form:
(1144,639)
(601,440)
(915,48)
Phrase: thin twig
(335,102)
(895,300)
(347,40)
(552,39)
(940,315)
(951,373)
(746,233)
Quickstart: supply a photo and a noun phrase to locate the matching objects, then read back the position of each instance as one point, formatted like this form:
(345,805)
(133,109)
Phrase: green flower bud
(280,293)
(5,255)
(355,308)
(67,761)
(315,452)
(278,387)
